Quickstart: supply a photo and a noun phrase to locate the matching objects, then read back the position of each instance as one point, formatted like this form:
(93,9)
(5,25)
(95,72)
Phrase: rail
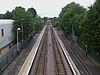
(29,60)
(70,61)
(26,67)
(77,57)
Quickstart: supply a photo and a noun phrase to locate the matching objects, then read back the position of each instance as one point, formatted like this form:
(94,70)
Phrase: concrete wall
(7,37)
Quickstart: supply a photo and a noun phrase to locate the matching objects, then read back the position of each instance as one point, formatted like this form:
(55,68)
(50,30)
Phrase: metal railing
(8,57)
(90,52)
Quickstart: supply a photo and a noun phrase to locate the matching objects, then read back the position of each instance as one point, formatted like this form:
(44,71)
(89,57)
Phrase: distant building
(6,35)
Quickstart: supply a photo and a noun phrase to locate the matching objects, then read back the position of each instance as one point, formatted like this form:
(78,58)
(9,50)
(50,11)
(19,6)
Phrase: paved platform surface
(92,65)
(14,67)
(29,60)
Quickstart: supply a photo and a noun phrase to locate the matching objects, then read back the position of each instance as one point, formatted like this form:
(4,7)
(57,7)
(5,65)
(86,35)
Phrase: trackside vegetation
(85,23)
(27,20)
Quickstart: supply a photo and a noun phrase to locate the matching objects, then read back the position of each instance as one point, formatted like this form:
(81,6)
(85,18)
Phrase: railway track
(83,69)
(48,56)
(60,69)
(49,59)
(38,67)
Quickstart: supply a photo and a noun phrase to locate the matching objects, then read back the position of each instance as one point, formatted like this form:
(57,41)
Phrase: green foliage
(45,19)
(93,26)
(28,24)
(8,15)
(32,11)
(2,16)
(86,23)
(90,27)
(38,23)
(83,28)
(54,21)
(68,14)
(26,20)
(18,15)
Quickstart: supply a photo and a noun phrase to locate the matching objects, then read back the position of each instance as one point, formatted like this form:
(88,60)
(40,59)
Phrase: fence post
(0,67)
(86,50)
(97,56)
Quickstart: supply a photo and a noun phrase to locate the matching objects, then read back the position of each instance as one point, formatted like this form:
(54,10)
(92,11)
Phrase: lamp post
(34,27)
(86,50)
(22,31)
(17,41)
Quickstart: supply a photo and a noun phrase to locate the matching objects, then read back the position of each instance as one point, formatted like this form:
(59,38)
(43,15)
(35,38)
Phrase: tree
(68,15)
(18,15)
(28,24)
(37,23)
(24,20)
(8,15)
(85,23)
(54,21)
(32,11)
(83,28)
(28,21)
(2,16)
(93,26)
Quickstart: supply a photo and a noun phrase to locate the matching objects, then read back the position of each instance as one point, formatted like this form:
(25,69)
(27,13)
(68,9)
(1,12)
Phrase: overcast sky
(48,8)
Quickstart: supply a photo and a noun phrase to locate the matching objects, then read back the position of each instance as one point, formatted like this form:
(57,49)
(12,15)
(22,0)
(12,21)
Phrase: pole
(34,28)
(17,43)
(72,34)
(22,32)
(86,50)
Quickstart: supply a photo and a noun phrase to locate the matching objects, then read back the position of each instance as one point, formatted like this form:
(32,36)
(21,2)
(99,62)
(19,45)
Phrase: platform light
(17,41)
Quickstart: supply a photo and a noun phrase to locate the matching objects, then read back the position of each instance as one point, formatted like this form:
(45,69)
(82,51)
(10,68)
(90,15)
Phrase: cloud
(43,7)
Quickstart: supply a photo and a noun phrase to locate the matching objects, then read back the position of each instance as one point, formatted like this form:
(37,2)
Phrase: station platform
(90,63)
(26,67)
(29,60)
(14,67)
